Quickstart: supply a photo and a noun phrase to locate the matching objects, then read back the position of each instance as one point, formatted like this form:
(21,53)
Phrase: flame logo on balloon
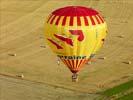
(67,40)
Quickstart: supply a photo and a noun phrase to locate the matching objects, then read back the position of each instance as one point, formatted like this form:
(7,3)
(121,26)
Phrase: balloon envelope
(75,34)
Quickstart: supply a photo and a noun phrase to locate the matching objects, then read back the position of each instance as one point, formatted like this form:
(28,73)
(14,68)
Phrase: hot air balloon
(75,34)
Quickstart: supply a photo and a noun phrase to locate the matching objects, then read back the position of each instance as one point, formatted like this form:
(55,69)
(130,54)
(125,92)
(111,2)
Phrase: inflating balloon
(75,34)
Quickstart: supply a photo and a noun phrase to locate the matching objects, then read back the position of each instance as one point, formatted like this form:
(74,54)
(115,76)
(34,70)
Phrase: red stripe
(49,18)
(64,21)
(83,62)
(86,21)
(71,21)
(101,18)
(92,20)
(97,19)
(70,66)
(57,21)
(67,40)
(77,63)
(63,61)
(73,64)
(52,20)
(78,21)
(67,64)
(57,45)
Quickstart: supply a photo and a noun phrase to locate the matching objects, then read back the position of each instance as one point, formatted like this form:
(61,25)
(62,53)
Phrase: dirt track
(21,32)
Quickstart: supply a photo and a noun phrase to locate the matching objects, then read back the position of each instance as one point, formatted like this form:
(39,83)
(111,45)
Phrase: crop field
(121,92)
(23,51)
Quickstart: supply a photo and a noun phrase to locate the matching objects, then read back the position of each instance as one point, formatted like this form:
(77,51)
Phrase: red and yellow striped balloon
(75,34)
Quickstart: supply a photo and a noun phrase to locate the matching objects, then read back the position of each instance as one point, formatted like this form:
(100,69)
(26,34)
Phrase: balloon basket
(75,77)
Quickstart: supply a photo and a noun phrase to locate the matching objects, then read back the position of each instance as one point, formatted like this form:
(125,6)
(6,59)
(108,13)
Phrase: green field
(121,92)
(126,97)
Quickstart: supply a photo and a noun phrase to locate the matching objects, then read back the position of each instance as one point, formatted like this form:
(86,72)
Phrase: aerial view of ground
(23,51)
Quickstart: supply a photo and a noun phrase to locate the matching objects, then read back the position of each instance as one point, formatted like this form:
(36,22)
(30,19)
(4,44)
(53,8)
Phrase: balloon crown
(75,16)
(75,11)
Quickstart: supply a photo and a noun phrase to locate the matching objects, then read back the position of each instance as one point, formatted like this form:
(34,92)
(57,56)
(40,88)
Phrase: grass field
(126,97)
(22,32)
(121,92)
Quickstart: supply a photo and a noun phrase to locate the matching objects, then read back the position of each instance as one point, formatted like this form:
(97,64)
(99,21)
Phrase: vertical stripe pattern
(75,64)
(94,20)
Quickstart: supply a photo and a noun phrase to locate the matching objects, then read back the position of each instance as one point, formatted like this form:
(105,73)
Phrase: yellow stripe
(95,20)
(75,21)
(78,63)
(54,21)
(82,21)
(51,18)
(67,21)
(72,66)
(69,63)
(64,62)
(81,61)
(99,19)
(89,21)
(61,20)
